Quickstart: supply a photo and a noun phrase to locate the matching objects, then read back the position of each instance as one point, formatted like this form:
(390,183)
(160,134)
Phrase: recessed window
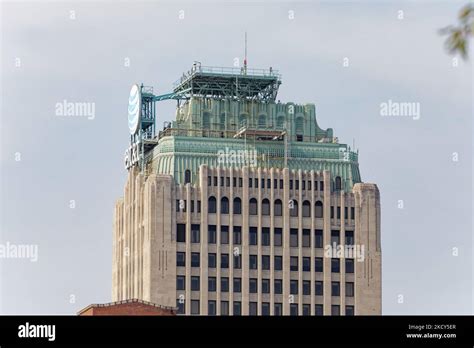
(195,307)
(306,309)
(294,208)
(181,233)
(352,213)
(306,287)
(237,308)
(253,238)
(293,237)
(294,309)
(265,262)
(211,307)
(180,283)
(237,285)
(237,261)
(349,265)
(349,310)
(212,260)
(335,310)
(237,235)
(350,289)
(212,284)
(224,307)
(181,306)
(306,264)
(335,265)
(253,261)
(195,283)
(318,238)
(265,207)
(349,237)
(224,260)
(318,309)
(294,287)
(180,259)
(211,205)
(187,176)
(278,263)
(294,263)
(318,288)
(237,206)
(195,259)
(224,284)
(338,183)
(253,285)
(278,286)
(265,286)
(224,205)
(253,206)
(265,308)
(278,208)
(278,309)
(306,209)
(265,236)
(306,238)
(277,236)
(252,308)
(335,289)
(318,212)
(334,238)
(224,234)
(211,234)
(195,233)
(318,264)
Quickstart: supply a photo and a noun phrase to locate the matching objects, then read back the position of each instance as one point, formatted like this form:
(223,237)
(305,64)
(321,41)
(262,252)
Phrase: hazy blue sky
(49,160)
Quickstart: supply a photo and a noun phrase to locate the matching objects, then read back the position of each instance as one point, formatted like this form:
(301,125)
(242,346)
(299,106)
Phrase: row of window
(265,265)
(264,236)
(265,308)
(265,286)
(267,183)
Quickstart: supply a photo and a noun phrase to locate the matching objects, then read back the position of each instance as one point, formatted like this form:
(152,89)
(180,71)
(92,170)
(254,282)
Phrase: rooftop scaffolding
(235,83)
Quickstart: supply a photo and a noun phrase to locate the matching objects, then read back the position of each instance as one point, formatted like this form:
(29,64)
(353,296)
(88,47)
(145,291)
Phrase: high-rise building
(243,205)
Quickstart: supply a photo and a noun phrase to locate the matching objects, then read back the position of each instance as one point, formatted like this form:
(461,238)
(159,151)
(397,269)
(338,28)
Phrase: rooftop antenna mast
(245,56)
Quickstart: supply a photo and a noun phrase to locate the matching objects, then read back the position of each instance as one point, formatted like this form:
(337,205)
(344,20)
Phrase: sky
(60,174)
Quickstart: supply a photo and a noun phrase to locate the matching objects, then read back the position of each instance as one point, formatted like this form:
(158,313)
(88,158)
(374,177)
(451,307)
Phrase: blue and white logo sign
(134,108)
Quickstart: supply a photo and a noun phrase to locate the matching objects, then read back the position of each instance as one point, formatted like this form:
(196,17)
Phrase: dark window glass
(265,286)
(306,264)
(198,206)
(222,181)
(335,265)
(180,305)
(306,238)
(318,238)
(352,213)
(240,182)
(269,183)
(278,286)
(180,259)
(253,206)
(294,263)
(181,233)
(349,310)
(195,259)
(278,309)
(212,260)
(265,207)
(315,185)
(278,208)
(237,308)
(309,185)
(252,308)
(294,287)
(332,212)
(212,284)
(346,211)
(335,289)
(224,307)
(281,184)
(187,176)
(338,183)
(237,261)
(293,237)
(195,283)
(237,284)
(211,234)
(253,238)
(321,186)
(237,206)
(256,183)
(306,287)
(297,184)
(318,309)
(318,288)
(250,182)
(306,209)
(224,205)
(265,236)
(180,283)
(195,233)
(278,263)
(306,309)
(265,262)
(227,181)
(350,289)
(294,309)
(318,212)
(195,307)
(237,235)
(225,284)
(224,234)
(277,237)
(215,181)
(253,263)
(265,308)
(224,260)
(349,265)
(211,307)
(253,287)
(349,237)
(318,264)
(334,238)
(339,212)
(211,205)
(335,310)
(262,183)
(234,182)
(209,181)
(294,208)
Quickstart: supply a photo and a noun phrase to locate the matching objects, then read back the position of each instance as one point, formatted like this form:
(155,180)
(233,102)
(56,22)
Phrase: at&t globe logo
(134,108)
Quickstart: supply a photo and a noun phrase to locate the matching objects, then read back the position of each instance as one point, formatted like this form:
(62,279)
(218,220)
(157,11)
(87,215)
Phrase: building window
(240,182)
(319,309)
(269,183)
(253,238)
(278,263)
(265,286)
(222,181)
(293,287)
(306,264)
(265,308)
(321,186)
(187,176)
(198,206)
(195,259)
(265,236)
(180,305)
(334,238)
(306,287)
(262,185)
(332,212)
(224,260)
(265,262)
(224,284)
(306,309)
(212,284)
(306,238)
(237,285)
(234,182)
(211,307)
(352,213)
(318,212)
(237,206)
(318,264)
(335,289)
(335,265)
(278,208)
(306,209)
(237,308)
(237,261)
(338,183)
(346,212)
(350,289)
(224,307)
(180,283)
(349,265)
(253,286)
(227,181)
(278,286)
(211,234)
(192,206)
(211,205)
(349,238)
(309,185)
(338,213)
(195,233)
(318,238)
(318,288)
(224,205)
(265,207)
(303,185)
(180,259)
(224,234)
(250,182)
(277,237)
(294,309)
(181,233)
(335,310)
(237,235)
(195,283)
(349,310)
(294,208)
(195,307)
(293,237)
(315,185)
(209,180)
(212,260)
(281,184)
(253,206)
(215,180)
(294,263)
(252,308)
(256,183)
(253,262)
(278,309)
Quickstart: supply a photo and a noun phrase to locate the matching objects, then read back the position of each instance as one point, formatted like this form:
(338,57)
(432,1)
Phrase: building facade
(244,206)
